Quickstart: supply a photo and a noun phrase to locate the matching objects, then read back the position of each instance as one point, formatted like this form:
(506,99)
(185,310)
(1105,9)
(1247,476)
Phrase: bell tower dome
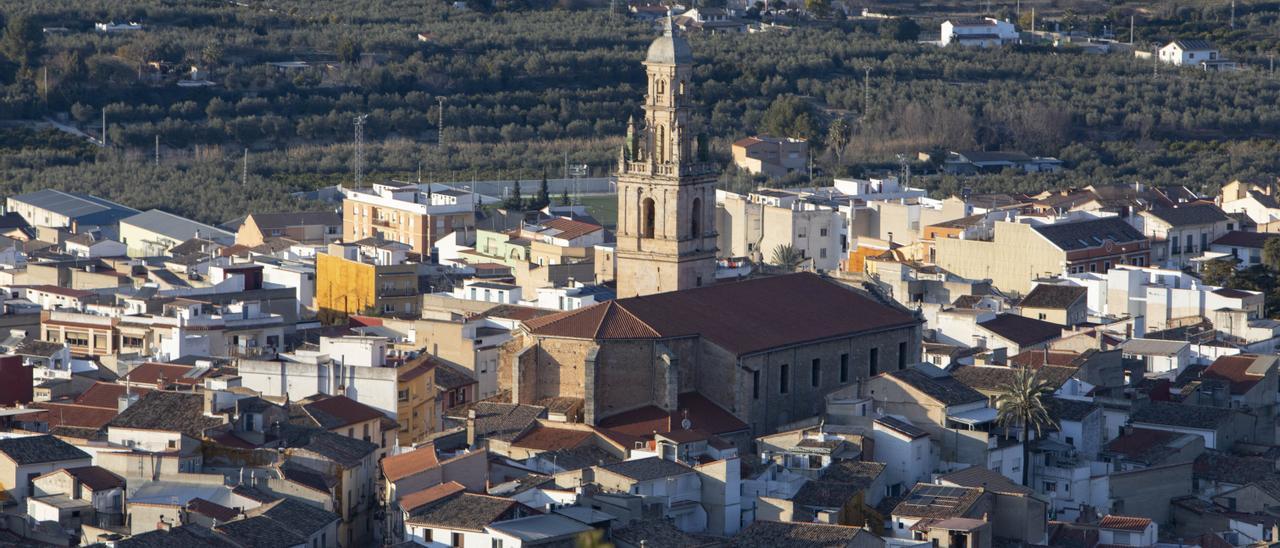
(666,187)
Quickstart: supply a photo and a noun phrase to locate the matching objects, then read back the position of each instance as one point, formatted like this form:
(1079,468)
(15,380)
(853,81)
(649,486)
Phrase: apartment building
(1179,234)
(756,224)
(413,214)
(1018,253)
(370,276)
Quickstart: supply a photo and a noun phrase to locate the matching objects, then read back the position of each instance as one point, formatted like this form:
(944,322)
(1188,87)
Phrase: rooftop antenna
(359,156)
(244,169)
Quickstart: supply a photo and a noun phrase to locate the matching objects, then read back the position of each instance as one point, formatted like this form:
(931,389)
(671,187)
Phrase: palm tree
(1020,405)
(787,257)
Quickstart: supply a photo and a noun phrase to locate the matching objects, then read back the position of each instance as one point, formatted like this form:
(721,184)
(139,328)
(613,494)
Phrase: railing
(399,292)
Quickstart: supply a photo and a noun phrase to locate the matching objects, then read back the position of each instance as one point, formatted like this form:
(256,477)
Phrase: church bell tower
(666,187)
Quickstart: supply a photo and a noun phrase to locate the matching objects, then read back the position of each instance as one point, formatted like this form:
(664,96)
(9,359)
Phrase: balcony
(398,292)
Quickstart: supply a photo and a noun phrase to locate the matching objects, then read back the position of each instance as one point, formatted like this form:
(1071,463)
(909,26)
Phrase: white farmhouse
(1194,53)
(986,32)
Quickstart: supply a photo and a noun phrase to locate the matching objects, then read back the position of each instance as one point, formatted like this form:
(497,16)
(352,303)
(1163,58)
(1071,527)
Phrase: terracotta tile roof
(1242,371)
(1232,469)
(1126,523)
(994,377)
(464,511)
(990,480)
(742,317)
(1237,238)
(702,413)
(397,467)
(65,414)
(937,501)
(152,372)
(1189,214)
(1177,414)
(340,411)
(168,412)
(1141,443)
(417,499)
(569,228)
(1054,296)
(96,478)
(1021,330)
(946,389)
(211,509)
(64,291)
(548,438)
(107,395)
(773,534)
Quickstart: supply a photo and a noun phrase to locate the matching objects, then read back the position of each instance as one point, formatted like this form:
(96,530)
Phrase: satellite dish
(686,424)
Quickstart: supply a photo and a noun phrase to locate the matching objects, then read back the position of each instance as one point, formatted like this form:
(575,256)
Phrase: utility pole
(104,127)
(244,169)
(358,160)
(1033,18)
(45,90)
(157,150)
(1130,30)
(440,121)
(1233,14)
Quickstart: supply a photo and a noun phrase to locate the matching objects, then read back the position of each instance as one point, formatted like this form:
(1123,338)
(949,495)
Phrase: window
(1050,486)
(646,218)
(815,373)
(1042,315)
(1204,241)
(822,232)
(873,362)
(497,543)
(1070,441)
(1120,537)
(844,368)
(822,253)
(695,219)
(902,356)
(173,444)
(783,373)
(1173,246)
(1093,267)
(755,385)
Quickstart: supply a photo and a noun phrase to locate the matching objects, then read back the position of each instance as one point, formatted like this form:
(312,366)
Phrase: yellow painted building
(345,287)
(415,399)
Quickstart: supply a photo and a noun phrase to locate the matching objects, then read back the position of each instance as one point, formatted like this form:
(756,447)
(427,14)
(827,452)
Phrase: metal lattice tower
(440,121)
(358,160)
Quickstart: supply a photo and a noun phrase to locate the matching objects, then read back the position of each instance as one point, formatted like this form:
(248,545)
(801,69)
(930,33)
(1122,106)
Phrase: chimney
(471,427)
(125,400)
(210,403)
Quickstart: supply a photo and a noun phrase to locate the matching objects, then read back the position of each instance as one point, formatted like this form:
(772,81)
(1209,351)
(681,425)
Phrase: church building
(746,356)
